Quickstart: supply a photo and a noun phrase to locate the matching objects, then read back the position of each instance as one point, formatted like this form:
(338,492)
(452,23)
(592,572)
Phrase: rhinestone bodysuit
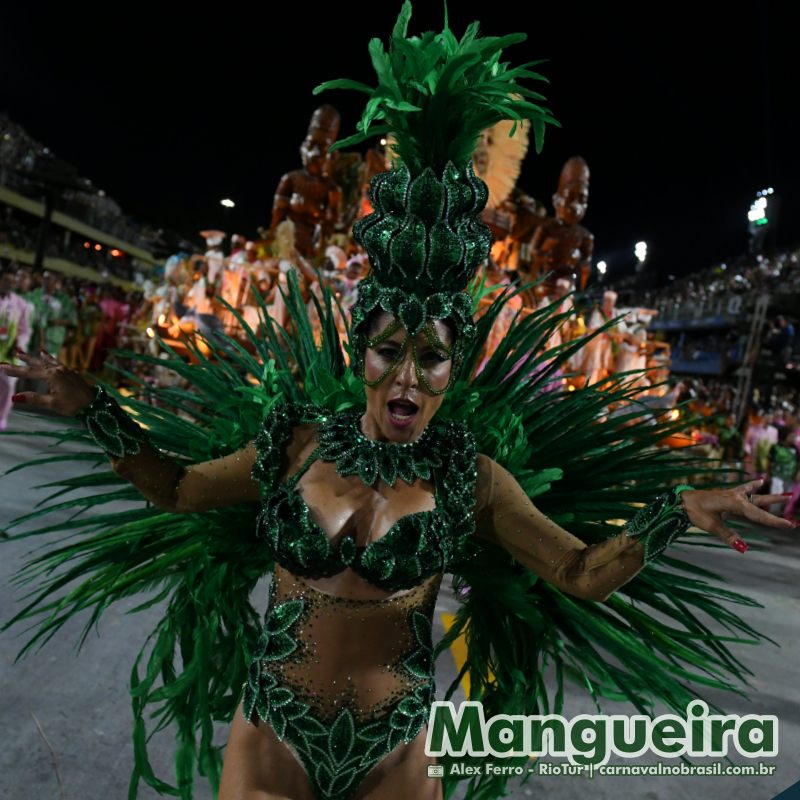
(344,682)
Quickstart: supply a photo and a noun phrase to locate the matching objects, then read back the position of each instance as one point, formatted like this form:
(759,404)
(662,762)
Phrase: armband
(111,428)
(657,525)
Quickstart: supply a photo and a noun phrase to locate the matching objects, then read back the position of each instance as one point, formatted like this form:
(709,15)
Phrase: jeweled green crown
(425,235)
(435,96)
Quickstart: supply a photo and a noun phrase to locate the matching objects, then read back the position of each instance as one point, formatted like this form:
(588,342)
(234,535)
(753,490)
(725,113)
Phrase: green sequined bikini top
(416,546)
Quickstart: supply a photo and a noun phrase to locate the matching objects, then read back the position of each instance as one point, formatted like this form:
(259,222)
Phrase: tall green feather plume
(436,94)
(581,466)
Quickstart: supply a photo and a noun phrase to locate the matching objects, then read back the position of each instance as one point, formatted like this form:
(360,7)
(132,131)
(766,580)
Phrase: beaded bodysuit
(340,705)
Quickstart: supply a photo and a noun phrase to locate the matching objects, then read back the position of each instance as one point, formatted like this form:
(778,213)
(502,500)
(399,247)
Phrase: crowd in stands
(708,318)
(27,167)
(729,289)
(20,231)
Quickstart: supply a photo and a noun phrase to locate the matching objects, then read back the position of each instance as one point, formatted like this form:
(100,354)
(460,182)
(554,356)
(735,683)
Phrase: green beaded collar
(342,442)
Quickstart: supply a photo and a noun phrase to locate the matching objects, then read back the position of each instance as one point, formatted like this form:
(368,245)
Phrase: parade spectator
(781,338)
(115,313)
(79,349)
(783,467)
(15,333)
(55,314)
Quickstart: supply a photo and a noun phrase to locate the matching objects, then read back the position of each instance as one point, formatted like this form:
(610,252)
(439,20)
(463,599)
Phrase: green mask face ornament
(434,342)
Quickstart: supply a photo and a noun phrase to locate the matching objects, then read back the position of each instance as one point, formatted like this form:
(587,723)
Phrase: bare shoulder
(299,447)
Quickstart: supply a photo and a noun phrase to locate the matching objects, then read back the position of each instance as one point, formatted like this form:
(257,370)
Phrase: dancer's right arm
(199,487)
(165,483)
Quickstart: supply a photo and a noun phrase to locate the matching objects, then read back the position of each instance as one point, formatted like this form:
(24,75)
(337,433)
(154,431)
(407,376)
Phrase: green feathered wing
(580,465)
(660,639)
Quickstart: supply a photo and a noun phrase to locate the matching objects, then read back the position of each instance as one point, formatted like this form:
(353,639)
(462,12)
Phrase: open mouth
(402,412)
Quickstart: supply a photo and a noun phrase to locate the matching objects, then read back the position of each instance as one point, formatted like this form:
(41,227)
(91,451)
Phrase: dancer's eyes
(428,358)
(431,358)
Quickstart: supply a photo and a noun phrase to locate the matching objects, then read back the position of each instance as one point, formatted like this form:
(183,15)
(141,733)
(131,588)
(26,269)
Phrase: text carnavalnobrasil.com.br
(548,768)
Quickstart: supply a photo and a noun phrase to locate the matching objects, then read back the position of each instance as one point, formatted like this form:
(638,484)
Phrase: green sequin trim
(111,428)
(425,242)
(275,434)
(436,344)
(660,523)
(425,235)
(341,441)
(417,546)
(336,757)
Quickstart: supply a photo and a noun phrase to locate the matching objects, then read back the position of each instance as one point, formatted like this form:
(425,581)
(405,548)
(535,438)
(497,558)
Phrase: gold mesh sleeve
(211,484)
(506,516)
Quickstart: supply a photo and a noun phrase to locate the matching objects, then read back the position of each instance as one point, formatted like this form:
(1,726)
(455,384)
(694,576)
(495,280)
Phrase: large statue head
(322,132)
(327,121)
(572,197)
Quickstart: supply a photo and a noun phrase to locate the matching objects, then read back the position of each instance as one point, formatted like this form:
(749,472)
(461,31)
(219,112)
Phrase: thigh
(402,774)
(258,766)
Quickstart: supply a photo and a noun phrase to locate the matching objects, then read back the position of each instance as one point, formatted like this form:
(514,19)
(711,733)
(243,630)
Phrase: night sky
(682,114)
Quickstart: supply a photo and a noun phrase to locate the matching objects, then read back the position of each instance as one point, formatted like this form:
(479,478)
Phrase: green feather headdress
(436,94)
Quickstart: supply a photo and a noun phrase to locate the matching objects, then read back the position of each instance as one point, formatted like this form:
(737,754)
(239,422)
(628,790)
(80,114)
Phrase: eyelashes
(429,358)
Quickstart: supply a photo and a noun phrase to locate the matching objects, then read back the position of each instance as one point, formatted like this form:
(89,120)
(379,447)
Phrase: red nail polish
(739,545)
(19,398)
(786,494)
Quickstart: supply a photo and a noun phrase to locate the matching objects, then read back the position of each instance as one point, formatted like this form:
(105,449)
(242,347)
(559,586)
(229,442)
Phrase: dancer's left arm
(505,515)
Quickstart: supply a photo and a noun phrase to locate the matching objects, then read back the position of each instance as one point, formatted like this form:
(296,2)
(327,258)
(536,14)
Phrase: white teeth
(401,416)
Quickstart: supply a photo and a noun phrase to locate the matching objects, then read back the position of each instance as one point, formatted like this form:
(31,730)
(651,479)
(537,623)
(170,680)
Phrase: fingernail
(18,398)
(739,545)
(786,494)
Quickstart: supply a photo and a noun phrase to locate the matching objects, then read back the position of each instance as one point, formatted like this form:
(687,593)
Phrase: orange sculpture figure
(309,197)
(561,245)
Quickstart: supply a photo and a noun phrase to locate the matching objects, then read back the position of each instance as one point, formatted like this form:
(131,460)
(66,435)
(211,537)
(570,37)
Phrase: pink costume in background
(15,331)
(115,314)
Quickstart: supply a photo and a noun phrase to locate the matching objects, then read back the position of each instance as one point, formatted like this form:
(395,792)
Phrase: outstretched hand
(68,393)
(708,509)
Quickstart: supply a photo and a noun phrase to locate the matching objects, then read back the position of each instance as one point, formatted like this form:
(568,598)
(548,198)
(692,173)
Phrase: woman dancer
(363,511)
